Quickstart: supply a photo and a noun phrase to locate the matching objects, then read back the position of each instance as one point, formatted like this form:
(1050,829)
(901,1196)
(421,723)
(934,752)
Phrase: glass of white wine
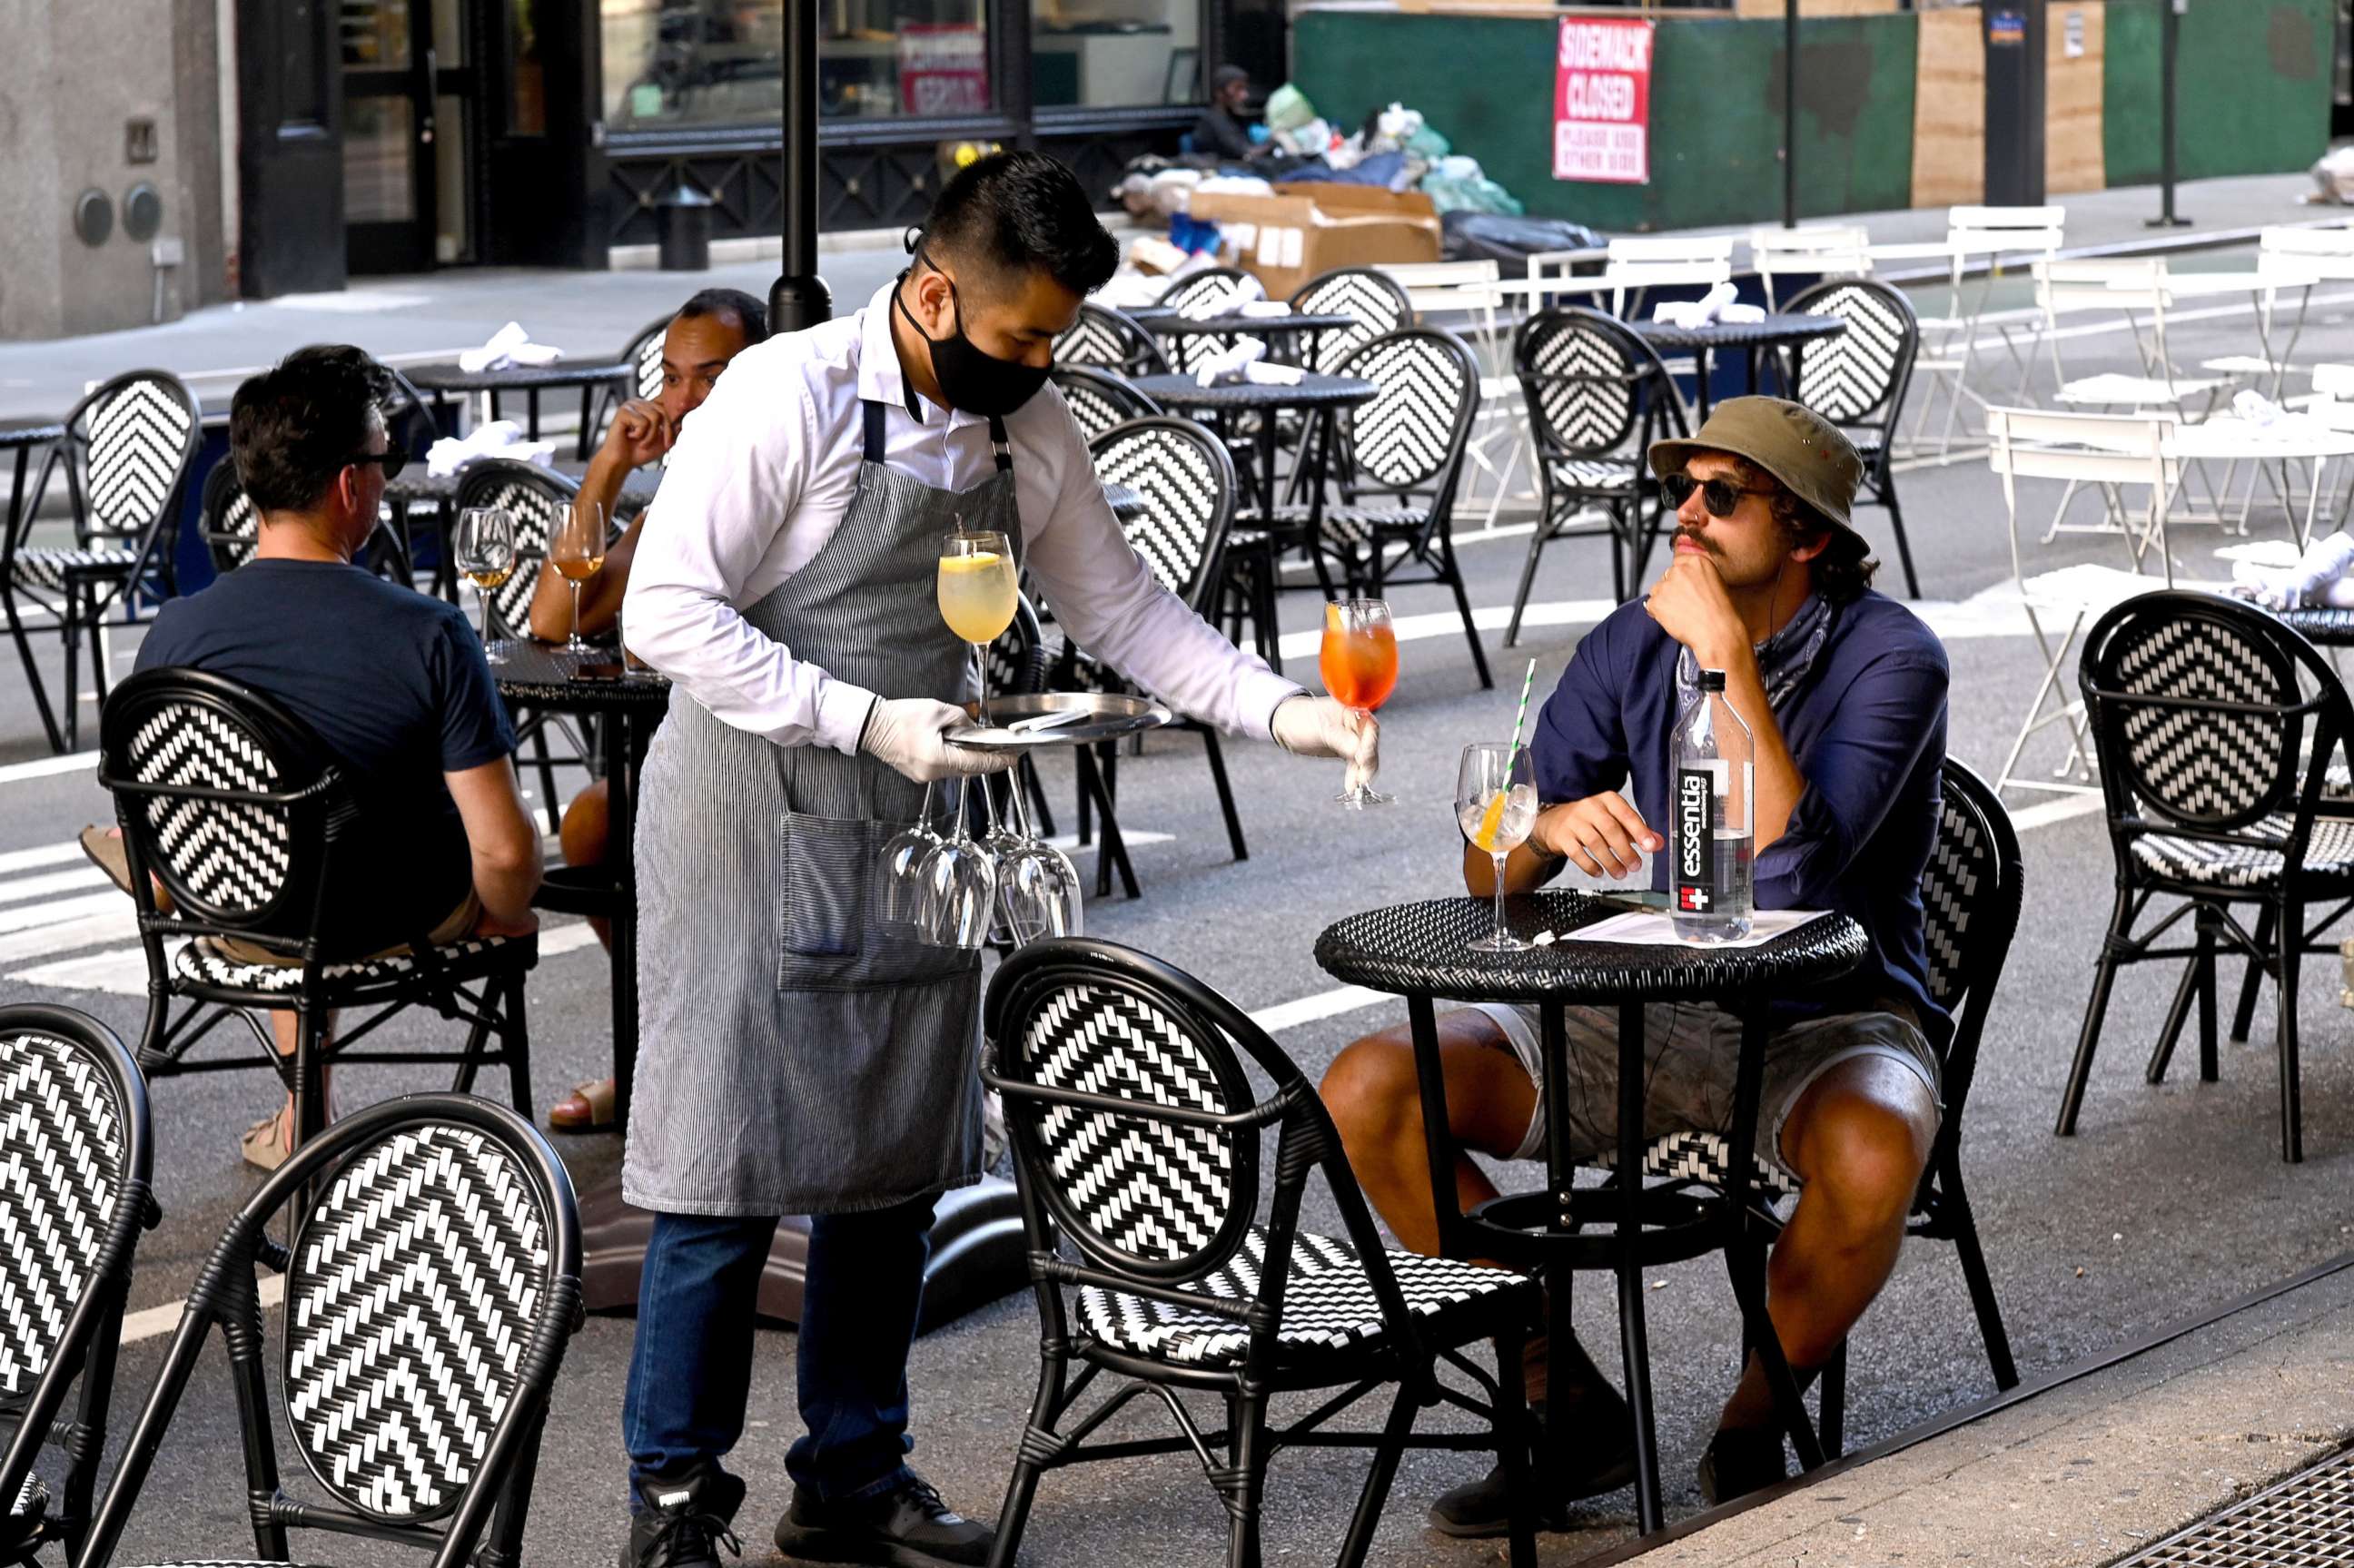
(1496,805)
(977,594)
(486,554)
(578,553)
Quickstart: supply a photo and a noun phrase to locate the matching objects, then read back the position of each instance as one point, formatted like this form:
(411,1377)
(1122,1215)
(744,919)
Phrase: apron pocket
(828,937)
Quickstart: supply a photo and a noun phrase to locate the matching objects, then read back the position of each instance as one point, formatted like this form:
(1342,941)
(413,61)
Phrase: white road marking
(53,882)
(154,1322)
(14,861)
(50,767)
(59,911)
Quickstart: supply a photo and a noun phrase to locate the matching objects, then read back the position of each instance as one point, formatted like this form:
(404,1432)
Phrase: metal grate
(2305,1521)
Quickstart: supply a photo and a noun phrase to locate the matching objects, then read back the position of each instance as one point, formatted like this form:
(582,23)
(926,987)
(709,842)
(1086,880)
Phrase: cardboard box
(1308,229)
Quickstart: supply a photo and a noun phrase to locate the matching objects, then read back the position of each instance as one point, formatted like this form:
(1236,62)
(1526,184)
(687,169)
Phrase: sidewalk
(2090,1467)
(434,315)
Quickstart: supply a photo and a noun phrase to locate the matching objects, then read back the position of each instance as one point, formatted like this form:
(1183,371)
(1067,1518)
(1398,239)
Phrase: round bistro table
(1420,951)
(24,437)
(588,377)
(1752,338)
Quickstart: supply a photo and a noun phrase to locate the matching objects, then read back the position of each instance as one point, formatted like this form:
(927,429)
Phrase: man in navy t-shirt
(392,681)
(1844,691)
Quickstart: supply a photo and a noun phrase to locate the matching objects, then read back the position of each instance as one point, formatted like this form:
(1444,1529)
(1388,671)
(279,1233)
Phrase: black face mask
(971,379)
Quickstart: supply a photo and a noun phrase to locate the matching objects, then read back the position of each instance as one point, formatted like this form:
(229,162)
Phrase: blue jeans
(691,1369)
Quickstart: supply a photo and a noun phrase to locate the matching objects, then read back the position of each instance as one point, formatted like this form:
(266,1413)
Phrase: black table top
(637,486)
(1419,950)
(1738,334)
(542,676)
(1312,392)
(517,377)
(29,432)
(1169,324)
(2322,625)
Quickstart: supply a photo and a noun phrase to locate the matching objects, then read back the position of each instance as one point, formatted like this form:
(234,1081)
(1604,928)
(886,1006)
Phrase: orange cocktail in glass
(1359,662)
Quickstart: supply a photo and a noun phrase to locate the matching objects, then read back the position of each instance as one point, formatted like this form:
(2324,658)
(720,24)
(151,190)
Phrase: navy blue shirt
(1867,728)
(393,682)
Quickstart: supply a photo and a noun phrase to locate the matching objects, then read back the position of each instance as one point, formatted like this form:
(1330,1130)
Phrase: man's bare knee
(1371,1092)
(1866,1136)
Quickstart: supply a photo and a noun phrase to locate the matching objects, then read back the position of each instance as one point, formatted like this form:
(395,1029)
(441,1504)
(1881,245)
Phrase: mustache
(1686,533)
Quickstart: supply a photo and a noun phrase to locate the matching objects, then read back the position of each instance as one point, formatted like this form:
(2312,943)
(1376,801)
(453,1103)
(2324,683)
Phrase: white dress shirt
(763,474)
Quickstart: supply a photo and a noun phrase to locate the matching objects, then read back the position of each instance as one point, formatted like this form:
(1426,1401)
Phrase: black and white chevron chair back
(644,357)
(1970,897)
(414,1288)
(232,527)
(1376,300)
(1187,482)
(1017,660)
(1412,435)
(1584,374)
(1859,376)
(1107,340)
(1212,291)
(66,1155)
(1098,399)
(132,442)
(2197,715)
(537,499)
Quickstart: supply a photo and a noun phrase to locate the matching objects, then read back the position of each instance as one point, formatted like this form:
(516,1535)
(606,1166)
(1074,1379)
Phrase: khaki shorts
(458,923)
(1693,1052)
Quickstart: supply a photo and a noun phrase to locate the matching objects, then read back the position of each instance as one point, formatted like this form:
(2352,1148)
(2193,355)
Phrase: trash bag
(1478,193)
(1429,145)
(1287,109)
(2335,174)
(1482,236)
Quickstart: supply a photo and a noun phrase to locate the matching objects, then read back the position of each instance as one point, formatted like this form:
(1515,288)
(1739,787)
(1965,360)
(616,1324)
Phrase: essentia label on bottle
(1698,789)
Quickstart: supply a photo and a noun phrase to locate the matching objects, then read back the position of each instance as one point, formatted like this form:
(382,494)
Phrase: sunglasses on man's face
(1719,496)
(393,458)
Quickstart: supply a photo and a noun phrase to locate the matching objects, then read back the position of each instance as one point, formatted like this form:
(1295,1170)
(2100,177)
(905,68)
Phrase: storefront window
(1115,54)
(713,62)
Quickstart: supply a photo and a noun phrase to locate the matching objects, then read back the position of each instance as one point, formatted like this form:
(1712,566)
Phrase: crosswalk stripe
(58,911)
(115,925)
(53,882)
(14,861)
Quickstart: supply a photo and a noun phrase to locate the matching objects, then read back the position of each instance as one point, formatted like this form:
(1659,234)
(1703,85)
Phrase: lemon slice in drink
(1489,821)
(984,561)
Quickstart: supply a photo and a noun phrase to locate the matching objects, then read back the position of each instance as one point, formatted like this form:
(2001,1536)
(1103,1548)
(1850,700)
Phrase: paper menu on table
(1644,928)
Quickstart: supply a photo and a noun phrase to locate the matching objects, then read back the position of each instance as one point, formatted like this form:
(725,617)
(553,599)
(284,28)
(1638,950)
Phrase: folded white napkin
(510,346)
(2255,407)
(1264,308)
(1267,373)
(499,438)
(1700,312)
(1741,315)
(1237,300)
(1227,364)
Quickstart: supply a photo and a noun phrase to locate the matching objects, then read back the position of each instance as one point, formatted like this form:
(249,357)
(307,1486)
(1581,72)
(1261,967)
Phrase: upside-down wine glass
(957,897)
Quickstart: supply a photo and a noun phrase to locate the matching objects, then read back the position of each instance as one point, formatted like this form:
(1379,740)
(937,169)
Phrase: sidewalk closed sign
(1601,102)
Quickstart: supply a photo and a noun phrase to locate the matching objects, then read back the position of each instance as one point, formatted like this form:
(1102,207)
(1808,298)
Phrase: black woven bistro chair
(1406,452)
(1105,339)
(126,455)
(1159,1266)
(1377,300)
(75,1156)
(430,1286)
(2215,726)
(643,354)
(1970,893)
(1187,482)
(1212,290)
(233,806)
(1598,397)
(1098,399)
(232,529)
(1857,380)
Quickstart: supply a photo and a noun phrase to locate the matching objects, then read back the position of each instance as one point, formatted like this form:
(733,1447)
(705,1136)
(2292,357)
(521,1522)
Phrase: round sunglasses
(1719,496)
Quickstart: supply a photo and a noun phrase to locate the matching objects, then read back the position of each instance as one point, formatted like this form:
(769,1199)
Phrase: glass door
(409,87)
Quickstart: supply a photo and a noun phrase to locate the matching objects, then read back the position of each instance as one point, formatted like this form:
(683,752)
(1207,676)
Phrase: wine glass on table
(1496,805)
(486,554)
(1359,662)
(578,553)
(977,594)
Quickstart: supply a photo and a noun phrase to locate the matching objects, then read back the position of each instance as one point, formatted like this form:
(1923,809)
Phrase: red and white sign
(943,68)
(1601,102)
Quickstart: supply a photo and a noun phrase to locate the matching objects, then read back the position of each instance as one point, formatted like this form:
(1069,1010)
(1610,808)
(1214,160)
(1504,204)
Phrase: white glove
(904,734)
(1319,726)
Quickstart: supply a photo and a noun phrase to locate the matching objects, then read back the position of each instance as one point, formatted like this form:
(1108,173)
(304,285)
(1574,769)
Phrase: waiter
(795,1059)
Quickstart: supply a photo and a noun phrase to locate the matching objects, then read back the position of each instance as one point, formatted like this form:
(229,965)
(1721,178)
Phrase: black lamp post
(1789,113)
(798,298)
(2169,44)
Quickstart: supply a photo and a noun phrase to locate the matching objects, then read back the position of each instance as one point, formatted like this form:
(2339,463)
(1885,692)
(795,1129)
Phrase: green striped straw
(1520,717)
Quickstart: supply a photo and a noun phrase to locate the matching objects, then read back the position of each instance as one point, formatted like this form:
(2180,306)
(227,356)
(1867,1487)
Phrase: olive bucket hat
(1803,450)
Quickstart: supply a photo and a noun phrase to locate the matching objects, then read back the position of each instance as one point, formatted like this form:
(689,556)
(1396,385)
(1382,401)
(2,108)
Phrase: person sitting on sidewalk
(1845,693)
(391,680)
(709,330)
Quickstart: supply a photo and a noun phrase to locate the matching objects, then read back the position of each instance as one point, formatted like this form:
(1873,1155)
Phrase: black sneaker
(682,1524)
(906,1527)
(1599,1457)
(1740,1461)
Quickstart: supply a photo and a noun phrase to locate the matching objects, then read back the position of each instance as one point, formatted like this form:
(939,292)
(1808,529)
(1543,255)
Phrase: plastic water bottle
(1711,771)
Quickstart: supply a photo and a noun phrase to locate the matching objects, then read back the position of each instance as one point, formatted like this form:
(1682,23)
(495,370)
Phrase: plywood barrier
(1950,110)
(2073,157)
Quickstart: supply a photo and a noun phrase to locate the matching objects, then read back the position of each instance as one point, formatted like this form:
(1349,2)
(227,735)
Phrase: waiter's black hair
(750,313)
(1012,213)
(294,428)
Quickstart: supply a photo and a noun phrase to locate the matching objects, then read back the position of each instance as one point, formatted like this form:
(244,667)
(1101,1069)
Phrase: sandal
(587,1108)
(264,1143)
(104,848)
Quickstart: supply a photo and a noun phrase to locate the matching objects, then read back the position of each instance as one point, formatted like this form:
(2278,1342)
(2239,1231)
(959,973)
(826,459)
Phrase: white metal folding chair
(1819,250)
(2287,258)
(1976,234)
(1632,267)
(2137,290)
(1471,300)
(2106,452)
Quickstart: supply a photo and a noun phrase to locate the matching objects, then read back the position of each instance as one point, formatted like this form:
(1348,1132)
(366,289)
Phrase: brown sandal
(104,848)
(264,1143)
(587,1108)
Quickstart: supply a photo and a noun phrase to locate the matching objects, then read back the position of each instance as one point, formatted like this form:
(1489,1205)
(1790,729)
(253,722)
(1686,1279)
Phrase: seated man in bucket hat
(1845,693)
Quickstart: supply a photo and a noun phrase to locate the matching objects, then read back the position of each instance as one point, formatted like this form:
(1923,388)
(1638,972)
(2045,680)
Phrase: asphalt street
(2170,1200)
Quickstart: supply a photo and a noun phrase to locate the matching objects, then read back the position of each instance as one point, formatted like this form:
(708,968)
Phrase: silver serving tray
(1097,716)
